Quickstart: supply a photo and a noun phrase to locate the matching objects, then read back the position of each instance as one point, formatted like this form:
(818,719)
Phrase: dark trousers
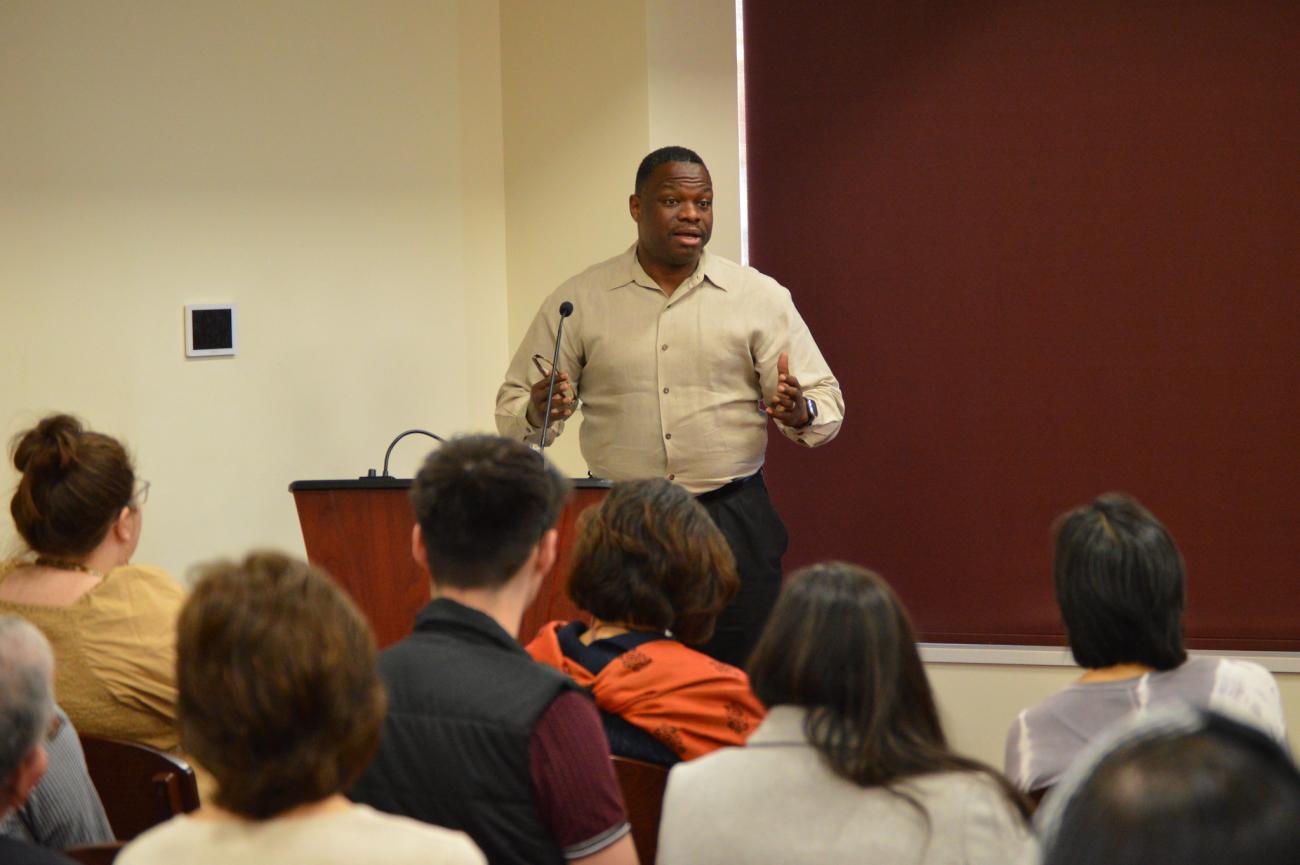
(743,512)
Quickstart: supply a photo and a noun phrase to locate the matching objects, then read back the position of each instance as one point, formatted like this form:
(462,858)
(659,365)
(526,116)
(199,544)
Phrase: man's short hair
(279,697)
(1121,586)
(26,692)
(663,156)
(1178,786)
(483,503)
(651,556)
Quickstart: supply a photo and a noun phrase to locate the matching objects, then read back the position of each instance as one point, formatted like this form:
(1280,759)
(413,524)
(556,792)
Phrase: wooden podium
(360,532)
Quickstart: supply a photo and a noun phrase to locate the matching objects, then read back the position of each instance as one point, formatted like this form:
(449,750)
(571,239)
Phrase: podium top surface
(378,483)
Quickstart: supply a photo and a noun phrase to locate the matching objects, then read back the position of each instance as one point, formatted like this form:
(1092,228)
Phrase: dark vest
(463,697)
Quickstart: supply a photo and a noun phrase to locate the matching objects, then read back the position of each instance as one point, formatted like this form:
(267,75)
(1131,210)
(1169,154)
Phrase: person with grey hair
(64,810)
(26,710)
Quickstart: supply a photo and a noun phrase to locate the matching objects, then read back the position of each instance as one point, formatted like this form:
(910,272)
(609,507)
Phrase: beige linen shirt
(670,386)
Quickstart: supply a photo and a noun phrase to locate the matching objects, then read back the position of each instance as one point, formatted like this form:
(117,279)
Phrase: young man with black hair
(478,736)
(679,357)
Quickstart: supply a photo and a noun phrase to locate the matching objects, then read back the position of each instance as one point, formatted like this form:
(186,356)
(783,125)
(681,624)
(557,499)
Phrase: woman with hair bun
(112,624)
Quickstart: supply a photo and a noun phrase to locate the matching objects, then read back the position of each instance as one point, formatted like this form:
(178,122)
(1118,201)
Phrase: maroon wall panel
(1050,250)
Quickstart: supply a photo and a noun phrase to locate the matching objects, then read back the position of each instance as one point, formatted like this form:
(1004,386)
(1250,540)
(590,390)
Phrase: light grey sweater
(775,801)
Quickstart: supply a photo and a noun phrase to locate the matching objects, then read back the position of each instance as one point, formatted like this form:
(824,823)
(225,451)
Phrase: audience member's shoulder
(724,767)
(14,852)
(358,833)
(144,580)
(974,807)
(1248,692)
(1051,709)
(422,842)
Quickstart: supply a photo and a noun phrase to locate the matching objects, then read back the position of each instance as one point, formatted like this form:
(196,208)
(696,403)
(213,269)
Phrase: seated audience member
(1121,588)
(281,702)
(851,764)
(64,810)
(654,571)
(479,737)
(1179,786)
(26,714)
(112,624)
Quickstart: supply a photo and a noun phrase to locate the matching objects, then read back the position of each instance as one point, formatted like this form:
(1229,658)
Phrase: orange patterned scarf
(684,698)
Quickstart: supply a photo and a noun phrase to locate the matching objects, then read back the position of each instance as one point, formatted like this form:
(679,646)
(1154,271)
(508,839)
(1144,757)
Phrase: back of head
(1184,788)
(279,697)
(839,643)
(483,503)
(26,693)
(650,556)
(1120,584)
(663,156)
(74,483)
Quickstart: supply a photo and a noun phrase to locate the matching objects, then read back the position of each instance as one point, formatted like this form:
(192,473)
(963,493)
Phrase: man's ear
(548,548)
(634,206)
(25,778)
(419,551)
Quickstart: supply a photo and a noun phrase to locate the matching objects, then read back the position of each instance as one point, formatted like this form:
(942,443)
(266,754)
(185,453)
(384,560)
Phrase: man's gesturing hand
(788,405)
(561,403)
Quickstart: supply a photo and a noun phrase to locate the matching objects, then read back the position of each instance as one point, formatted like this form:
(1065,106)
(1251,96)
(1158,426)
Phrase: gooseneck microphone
(566,310)
(393,444)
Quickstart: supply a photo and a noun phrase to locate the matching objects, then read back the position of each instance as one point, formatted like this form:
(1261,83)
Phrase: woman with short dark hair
(281,702)
(1121,587)
(654,572)
(78,506)
(851,764)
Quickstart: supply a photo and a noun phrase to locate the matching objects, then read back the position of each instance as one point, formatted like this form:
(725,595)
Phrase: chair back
(95,854)
(643,794)
(140,786)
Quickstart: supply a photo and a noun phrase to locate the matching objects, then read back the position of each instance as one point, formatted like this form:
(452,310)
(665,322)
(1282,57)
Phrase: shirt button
(672,477)
(665,390)
(668,435)
(663,347)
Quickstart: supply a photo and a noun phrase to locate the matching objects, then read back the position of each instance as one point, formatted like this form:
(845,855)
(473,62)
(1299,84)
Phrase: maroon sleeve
(573,779)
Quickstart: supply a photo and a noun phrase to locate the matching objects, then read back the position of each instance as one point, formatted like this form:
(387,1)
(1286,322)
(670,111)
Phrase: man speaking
(678,358)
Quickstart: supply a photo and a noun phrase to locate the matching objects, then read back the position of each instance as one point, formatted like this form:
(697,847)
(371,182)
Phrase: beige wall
(692,90)
(334,168)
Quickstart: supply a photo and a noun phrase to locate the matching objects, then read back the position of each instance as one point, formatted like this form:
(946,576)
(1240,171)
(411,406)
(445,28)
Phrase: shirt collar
(782,726)
(446,615)
(709,269)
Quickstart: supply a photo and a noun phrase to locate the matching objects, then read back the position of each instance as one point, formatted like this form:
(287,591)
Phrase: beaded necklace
(66,565)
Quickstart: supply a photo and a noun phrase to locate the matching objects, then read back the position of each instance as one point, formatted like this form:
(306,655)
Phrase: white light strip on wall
(740,126)
(1051,656)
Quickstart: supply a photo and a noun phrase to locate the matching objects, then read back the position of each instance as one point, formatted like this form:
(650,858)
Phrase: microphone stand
(566,309)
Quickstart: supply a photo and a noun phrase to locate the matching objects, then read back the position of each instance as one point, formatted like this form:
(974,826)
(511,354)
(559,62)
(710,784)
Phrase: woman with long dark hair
(851,764)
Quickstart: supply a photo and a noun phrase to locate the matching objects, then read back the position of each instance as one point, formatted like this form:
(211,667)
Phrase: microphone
(393,444)
(566,310)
